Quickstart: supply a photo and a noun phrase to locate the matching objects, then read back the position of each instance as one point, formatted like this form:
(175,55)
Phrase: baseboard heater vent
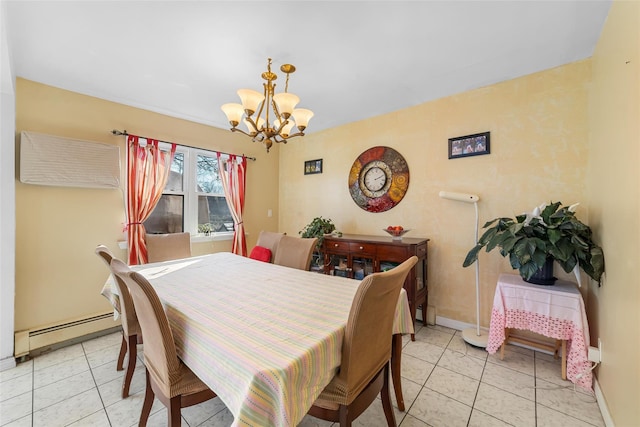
(49,335)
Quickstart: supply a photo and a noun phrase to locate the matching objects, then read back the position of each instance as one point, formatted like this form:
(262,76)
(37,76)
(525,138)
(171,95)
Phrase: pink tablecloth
(553,311)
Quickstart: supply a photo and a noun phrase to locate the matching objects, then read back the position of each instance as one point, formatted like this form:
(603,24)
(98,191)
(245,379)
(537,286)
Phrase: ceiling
(354,59)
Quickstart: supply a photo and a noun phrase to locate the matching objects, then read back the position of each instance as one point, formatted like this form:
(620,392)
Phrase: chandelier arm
(294,135)
(262,104)
(282,125)
(253,124)
(241,131)
(284,140)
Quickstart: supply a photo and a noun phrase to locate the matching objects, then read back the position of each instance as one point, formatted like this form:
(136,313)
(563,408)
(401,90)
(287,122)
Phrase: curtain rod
(118,133)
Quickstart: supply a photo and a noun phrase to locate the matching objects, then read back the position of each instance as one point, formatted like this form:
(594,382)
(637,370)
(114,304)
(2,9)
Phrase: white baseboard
(7,363)
(602,404)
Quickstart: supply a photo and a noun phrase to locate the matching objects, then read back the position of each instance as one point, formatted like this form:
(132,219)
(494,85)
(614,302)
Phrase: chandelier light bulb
(250,99)
(302,117)
(286,102)
(234,113)
(286,129)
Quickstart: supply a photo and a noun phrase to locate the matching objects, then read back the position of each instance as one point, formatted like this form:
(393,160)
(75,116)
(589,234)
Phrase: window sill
(197,238)
(213,237)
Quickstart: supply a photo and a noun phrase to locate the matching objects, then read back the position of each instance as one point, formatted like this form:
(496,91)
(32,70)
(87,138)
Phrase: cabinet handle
(361,248)
(335,245)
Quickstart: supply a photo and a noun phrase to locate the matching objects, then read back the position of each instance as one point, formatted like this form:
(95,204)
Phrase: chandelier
(280,114)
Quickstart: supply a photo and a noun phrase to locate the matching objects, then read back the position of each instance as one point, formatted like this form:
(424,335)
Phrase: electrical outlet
(599,350)
(595,353)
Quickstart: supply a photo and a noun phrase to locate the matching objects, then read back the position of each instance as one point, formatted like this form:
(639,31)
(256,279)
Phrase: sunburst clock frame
(378,179)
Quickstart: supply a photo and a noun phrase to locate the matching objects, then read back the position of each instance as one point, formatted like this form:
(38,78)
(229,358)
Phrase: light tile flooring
(446,382)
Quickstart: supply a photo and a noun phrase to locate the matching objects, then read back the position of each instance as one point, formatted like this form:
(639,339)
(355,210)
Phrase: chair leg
(174,411)
(345,419)
(131,366)
(386,399)
(149,395)
(123,351)
(396,363)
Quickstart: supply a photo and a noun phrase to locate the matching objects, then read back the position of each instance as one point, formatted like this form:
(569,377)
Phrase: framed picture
(469,145)
(312,166)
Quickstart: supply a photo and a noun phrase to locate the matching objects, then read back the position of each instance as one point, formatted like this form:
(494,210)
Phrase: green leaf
(472,256)
(527,270)
(554,235)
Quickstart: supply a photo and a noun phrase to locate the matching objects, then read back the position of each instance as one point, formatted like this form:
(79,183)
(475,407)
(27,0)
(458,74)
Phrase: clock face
(375,179)
(378,179)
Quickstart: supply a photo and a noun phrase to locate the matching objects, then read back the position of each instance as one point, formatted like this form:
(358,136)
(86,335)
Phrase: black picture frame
(312,166)
(470,145)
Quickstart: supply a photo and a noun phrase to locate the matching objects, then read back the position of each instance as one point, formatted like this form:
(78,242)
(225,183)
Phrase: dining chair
(295,252)
(366,351)
(164,247)
(168,378)
(131,335)
(270,241)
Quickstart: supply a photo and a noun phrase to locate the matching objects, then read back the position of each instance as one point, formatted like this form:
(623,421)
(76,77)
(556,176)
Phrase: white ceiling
(354,59)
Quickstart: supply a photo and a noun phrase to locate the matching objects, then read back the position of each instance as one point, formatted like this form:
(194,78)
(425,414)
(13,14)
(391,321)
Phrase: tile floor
(445,382)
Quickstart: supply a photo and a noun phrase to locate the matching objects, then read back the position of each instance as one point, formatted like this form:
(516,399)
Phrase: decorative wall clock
(379,179)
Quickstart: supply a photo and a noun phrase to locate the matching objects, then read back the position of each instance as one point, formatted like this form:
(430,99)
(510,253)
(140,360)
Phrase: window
(193,199)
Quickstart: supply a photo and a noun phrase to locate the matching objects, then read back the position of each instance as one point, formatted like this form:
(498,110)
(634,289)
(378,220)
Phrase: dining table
(267,339)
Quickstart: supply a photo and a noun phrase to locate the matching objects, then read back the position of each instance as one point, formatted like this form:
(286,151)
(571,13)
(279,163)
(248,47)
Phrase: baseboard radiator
(33,339)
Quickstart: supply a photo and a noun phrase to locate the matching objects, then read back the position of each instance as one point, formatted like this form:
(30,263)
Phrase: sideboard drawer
(392,253)
(357,248)
(338,246)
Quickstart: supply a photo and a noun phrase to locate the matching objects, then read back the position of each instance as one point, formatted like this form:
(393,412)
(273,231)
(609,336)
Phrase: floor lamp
(473,336)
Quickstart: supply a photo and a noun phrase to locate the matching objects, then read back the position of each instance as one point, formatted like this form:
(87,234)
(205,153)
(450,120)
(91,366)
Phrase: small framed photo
(312,166)
(469,145)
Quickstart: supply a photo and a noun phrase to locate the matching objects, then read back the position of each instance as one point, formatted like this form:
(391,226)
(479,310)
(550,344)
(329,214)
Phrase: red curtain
(147,173)
(233,176)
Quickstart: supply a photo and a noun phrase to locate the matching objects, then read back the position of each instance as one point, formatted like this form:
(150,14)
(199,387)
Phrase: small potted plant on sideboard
(318,227)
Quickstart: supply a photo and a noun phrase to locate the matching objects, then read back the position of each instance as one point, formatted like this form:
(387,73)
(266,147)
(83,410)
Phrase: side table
(555,311)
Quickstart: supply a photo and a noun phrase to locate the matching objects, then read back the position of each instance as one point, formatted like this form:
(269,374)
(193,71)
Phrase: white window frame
(190,193)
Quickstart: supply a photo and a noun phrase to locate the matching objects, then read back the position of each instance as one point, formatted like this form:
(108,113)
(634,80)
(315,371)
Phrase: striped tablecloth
(266,338)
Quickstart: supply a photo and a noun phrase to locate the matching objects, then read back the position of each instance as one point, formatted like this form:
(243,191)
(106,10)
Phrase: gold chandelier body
(281,106)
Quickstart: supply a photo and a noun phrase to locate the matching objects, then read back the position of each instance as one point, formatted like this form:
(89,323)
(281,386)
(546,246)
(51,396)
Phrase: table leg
(564,359)
(506,337)
(396,356)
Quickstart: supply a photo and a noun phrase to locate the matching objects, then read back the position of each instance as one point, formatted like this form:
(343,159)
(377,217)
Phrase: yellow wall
(613,180)
(539,142)
(58,277)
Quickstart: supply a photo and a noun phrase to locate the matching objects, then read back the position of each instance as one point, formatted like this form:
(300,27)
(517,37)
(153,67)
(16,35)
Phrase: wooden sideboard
(356,256)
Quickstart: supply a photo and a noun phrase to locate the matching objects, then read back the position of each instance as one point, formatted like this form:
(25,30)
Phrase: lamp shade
(286,102)
(234,113)
(254,130)
(302,117)
(286,130)
(250,99)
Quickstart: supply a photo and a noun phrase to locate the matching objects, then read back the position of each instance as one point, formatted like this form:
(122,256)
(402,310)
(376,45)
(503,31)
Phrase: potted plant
(549,233)
(204,229)
(318,227)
